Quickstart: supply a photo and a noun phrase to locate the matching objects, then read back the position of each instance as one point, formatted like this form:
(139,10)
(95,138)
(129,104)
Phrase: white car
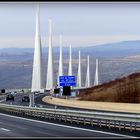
(13,92)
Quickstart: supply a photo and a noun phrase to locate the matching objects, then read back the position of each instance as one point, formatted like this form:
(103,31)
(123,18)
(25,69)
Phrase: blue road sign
(67,80)
(67,84)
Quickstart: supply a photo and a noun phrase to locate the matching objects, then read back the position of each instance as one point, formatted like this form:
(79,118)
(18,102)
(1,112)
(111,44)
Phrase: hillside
(124,90)
(116,49)
(115,60)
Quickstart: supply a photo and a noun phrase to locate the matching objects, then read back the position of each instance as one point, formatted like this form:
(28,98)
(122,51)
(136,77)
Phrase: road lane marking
(2,100)
(72,127)
(5,129)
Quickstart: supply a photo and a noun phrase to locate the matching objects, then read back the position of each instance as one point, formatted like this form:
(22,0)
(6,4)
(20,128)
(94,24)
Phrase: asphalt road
(40,103)
(18,100)
(12,126)
(41,130)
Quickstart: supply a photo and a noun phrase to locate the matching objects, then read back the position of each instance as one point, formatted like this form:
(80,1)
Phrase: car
(25,99)
(36,92)
(13,92)
(10,97)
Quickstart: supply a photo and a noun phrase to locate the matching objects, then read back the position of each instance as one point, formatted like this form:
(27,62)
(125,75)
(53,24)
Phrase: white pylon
(87,83)
(60,70)
(49,82)
(96,81)
(36,74)
(70,63)
(79,72)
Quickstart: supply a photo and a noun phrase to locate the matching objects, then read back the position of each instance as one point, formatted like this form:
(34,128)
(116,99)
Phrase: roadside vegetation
(123,90)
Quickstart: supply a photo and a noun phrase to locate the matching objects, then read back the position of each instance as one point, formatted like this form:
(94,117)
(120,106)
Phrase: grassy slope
(125,90)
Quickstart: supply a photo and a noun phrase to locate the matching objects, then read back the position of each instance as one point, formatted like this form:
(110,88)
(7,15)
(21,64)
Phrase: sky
(81,24)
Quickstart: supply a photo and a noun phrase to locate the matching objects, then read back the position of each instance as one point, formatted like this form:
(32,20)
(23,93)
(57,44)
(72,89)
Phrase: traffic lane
(17,101)
(39,95)
(11,126)
(40,103)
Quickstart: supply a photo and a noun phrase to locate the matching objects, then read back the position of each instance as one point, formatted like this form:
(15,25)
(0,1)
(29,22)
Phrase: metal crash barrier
(114,120)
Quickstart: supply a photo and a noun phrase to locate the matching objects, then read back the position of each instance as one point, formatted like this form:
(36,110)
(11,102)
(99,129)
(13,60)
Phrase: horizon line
(67,46)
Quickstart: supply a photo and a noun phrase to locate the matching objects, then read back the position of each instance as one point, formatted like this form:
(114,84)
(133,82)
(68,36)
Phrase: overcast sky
(81,24)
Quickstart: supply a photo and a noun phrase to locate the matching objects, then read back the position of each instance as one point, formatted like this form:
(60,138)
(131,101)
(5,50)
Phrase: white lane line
(5,129)
(72,127)
(2,100)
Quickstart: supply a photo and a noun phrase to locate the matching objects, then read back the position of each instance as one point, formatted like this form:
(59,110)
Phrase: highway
(40,103)
(18,100)
(12,126)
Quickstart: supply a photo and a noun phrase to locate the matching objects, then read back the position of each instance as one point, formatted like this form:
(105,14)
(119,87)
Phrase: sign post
(31,103)
(61,91)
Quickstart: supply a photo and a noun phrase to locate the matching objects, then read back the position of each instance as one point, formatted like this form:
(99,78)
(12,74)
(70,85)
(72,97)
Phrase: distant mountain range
(120,49)
(115,60)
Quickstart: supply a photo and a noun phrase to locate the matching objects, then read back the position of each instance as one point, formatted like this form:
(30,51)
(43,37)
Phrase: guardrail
(116,120)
